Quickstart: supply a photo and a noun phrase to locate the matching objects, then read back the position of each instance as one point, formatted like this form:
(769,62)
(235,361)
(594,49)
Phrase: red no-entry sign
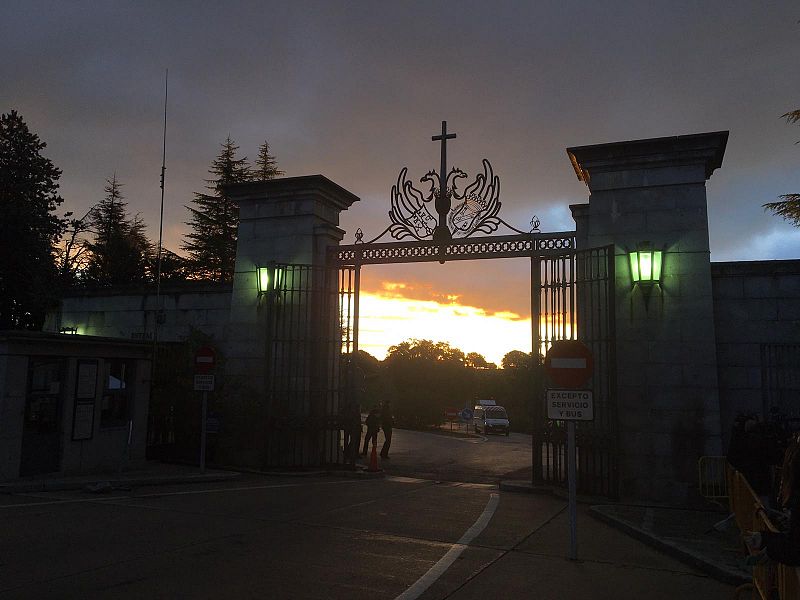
(204,359)
(569,364)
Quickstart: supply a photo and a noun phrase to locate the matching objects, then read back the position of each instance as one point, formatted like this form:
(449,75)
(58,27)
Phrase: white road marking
(182,493)
(472,440)
(444,563)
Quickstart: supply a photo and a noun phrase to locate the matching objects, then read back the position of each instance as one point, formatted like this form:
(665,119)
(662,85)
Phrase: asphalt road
(322,537)
(465,457)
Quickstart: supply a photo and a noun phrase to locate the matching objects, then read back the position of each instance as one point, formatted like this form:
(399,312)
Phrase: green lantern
(645,264)
(269,278)
(262,274)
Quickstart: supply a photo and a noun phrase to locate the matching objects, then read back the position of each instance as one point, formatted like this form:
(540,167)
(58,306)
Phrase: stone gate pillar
(667,395)
(291,220)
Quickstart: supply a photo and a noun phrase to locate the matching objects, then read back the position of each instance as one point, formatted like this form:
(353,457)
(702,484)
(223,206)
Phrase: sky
(354,91)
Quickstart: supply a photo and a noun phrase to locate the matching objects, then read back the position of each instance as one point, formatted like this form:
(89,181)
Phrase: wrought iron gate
(572,292)
(306,307)
(574,297)
(311,345)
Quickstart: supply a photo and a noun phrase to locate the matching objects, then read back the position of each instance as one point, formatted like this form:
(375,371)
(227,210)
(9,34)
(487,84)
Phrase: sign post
(569,365)
(204,362)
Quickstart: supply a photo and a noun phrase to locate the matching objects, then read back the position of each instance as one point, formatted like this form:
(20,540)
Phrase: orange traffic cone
(373,460)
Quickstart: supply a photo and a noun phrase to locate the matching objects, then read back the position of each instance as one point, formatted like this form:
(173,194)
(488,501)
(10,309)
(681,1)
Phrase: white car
(490,419)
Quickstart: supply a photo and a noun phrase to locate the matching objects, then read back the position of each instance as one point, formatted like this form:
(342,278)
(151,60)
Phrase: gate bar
(536,345)
(356,297)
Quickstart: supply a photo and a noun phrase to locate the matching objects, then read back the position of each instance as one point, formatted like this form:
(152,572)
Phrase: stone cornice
(706,149)
(316,187)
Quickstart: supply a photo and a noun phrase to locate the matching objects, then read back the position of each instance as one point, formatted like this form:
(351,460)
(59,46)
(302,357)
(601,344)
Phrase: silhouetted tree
(421,378)
(266,164)
(174,267)
(215,220)
(516,359)
(120,252)
(788,206)
(29,228)
(473,360)
(367,363)
(429,377)
(72,254)
(427,350)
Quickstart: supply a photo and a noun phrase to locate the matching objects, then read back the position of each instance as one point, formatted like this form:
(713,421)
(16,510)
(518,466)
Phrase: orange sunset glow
(387,317)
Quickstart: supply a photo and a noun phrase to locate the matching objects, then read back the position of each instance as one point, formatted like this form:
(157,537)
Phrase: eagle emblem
(474,208)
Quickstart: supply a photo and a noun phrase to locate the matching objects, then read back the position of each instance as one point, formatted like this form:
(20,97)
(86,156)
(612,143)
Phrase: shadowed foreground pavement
(319,537)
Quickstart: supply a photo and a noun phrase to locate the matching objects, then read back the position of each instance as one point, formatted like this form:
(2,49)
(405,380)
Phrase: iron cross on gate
(442,233)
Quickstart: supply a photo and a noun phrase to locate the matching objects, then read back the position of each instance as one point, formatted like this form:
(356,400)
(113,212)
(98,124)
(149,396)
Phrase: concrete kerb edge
(359,474)
(713,569)
(525,486)
(119,482)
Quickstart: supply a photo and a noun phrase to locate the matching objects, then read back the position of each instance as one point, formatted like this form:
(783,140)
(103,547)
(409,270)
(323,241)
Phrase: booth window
(116,393)
(44,392)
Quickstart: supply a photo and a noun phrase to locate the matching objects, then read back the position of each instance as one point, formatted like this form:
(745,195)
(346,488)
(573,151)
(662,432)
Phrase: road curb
(524,487)
(55,485)
(359,474)
(715,570)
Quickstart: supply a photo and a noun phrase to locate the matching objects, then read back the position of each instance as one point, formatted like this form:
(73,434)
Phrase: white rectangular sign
(203,383)
(568,363)
(570,405)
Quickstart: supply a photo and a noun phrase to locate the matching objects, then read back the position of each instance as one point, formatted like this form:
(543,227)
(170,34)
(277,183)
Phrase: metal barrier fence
(780,380)
(712,476)
(750,514)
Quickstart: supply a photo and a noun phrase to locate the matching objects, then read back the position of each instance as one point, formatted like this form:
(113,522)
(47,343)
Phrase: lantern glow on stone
(645,264)
(263,279)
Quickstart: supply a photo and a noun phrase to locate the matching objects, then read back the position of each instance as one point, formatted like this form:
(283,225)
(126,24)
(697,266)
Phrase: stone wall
(666,371)
(129,313)
(755,303)
(292,220)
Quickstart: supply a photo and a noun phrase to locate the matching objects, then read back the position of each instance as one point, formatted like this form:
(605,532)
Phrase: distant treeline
(422,379)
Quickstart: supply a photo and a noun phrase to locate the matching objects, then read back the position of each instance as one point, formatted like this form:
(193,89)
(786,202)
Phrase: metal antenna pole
(157,315)
(160,224)
(161,220)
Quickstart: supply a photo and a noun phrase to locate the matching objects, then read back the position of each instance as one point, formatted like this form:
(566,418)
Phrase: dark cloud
(355,90)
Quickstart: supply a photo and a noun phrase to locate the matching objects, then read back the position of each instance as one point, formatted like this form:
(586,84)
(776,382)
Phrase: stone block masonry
(654,191)
(755,303)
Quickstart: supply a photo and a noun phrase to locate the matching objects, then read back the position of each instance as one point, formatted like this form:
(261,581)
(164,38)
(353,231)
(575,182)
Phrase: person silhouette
(354,425)
(373,423)
(387,421)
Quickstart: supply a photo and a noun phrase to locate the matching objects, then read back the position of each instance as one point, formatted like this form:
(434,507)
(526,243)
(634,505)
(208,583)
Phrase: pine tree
(72,254)
(788,206)
(120,253)
(266,164)
(29,229)
(211,245)
(174,267)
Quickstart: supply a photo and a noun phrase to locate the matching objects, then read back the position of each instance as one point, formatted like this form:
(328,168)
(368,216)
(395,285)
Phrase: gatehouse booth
(71,404)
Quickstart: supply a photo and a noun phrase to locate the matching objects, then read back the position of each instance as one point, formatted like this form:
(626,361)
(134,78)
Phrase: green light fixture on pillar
(262,276)
(269,278)
(646,265)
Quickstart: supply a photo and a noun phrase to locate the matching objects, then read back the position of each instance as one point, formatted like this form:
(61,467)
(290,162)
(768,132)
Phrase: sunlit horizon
(387,319)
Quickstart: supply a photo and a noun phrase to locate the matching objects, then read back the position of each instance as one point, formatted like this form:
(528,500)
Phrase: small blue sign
(466,414)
